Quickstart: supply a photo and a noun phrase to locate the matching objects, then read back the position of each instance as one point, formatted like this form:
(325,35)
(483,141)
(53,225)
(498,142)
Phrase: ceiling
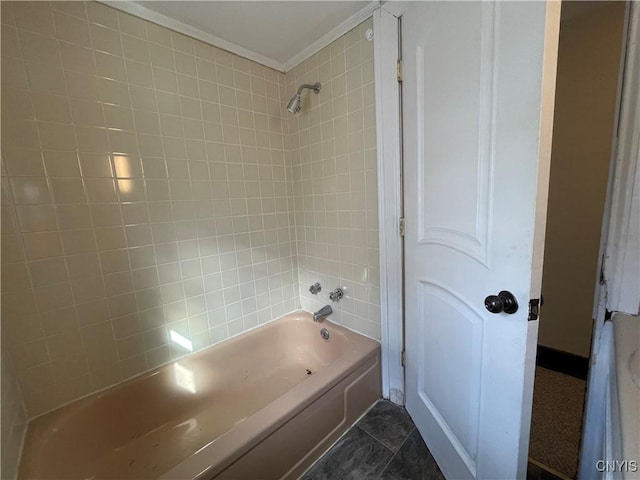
(279,34)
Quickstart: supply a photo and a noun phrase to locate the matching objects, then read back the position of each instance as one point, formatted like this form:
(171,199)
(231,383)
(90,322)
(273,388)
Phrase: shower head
(295,103)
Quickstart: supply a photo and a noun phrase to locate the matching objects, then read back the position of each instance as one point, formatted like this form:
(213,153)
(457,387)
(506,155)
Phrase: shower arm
(315,87)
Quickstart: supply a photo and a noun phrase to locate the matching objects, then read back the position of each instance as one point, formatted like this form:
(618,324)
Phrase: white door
(476,139)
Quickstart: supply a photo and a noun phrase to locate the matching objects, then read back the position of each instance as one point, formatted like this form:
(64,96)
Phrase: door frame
(389,162)
(621,260)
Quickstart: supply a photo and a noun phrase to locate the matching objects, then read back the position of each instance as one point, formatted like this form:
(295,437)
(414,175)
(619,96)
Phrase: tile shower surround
(145,208)
(332,156)
(157,198)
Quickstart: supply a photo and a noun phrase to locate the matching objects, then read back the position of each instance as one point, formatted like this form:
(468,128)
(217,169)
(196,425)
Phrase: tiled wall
(13,420)
(331,147)
(145,205)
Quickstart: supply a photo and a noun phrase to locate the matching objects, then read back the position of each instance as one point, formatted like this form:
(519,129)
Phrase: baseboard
(539,471)
(563,362)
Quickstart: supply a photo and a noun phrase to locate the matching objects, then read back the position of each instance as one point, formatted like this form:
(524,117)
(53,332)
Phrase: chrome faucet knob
(315,288)
(336,295)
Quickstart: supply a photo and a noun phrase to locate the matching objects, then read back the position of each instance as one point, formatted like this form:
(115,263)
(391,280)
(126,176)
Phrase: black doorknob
(503,302)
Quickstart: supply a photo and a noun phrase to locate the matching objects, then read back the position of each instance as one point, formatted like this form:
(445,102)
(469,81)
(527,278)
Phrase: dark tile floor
(383,445)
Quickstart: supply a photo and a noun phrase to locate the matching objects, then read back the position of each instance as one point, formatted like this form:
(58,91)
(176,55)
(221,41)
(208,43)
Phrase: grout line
(370,435)
(346,432)
(396,453)
(377,439)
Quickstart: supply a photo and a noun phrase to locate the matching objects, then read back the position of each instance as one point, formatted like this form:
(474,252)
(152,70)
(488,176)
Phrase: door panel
(472,92)
(451,320)
(452,123)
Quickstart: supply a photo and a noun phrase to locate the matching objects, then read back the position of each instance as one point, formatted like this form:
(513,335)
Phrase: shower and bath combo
(296,101)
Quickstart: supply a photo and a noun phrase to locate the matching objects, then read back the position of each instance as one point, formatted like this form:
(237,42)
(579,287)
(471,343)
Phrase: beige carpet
(556,422)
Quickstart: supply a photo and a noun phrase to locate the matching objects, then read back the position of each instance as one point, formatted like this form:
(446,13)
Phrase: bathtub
(263,405)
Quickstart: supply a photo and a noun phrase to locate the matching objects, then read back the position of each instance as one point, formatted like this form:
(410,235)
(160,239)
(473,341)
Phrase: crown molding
(158,18)
(332,35)
(145,13)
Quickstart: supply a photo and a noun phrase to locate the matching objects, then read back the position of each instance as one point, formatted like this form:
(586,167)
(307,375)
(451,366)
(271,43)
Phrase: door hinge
(399,70)
(534,309)
(402,227)
(403,358)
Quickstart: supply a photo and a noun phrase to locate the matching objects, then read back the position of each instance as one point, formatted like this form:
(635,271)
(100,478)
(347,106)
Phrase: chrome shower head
(296,101)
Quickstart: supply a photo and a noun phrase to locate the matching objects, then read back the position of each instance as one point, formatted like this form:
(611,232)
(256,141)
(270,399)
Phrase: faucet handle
(315,288)
(336,295)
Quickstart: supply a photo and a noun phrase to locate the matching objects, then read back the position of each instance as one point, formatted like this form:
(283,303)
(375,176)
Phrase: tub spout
(323,312)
